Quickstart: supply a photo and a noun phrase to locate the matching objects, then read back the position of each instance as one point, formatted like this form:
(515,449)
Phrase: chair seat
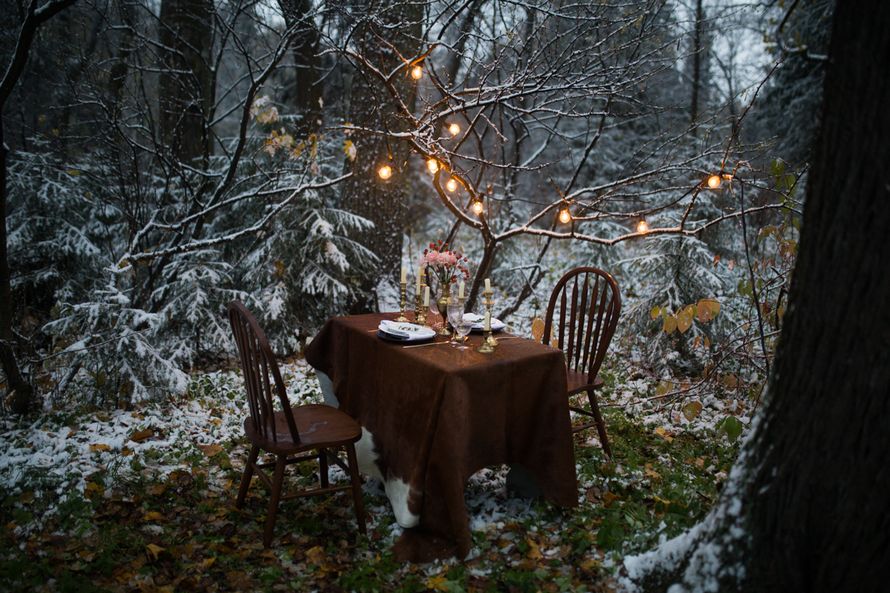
(577,382)
(318,426)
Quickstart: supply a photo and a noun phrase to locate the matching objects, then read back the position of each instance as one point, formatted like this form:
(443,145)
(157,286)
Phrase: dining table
(432,415)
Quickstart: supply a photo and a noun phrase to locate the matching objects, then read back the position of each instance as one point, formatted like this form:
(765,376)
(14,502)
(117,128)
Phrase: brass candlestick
(489,342)
(419,309)
(402,302)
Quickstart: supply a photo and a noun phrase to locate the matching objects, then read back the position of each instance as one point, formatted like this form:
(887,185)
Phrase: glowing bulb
(417,72)
(714,181)
(384,172)
(432,165)
(477,206)
(565,216)
(643,226)
(454,129)
(451,184)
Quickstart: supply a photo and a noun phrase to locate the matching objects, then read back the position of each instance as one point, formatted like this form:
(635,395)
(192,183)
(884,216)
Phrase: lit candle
(404,279)
(460,289)
(488,284)
(419,277)
(426,296)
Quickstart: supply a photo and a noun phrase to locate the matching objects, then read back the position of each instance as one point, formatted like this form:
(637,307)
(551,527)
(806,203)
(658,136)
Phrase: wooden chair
(291,430)
(586,325)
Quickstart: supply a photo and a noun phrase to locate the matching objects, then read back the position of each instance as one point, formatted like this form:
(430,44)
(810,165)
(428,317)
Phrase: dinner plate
(404,332)
(479,323)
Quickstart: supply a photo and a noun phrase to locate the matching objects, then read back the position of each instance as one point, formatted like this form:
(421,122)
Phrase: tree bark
(185,85)
(812,486)
(307,83)
(382,202)
(696,63)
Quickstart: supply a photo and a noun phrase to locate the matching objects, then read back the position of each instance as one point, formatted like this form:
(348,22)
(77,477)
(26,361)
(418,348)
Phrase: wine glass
(461,325)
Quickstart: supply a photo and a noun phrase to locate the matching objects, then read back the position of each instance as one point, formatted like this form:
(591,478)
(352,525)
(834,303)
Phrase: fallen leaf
(210,450)
(315,555)
(437,583)
(154,550)
(691,410)
(153,516)
(141,435)
(534,552)
(663,433)
(97,447)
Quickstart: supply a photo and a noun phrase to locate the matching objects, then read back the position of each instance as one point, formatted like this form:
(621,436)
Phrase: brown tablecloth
(439,414)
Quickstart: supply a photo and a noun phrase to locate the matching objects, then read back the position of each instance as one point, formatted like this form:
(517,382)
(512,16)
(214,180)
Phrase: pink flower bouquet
(445,264)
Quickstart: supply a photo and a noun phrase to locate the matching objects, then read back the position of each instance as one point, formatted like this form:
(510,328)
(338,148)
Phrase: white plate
(479,322)
(404,332)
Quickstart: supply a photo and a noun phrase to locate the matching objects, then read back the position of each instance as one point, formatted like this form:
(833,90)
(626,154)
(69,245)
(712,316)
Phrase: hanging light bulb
(417,72)
(565,216)
(477,207)
(432,165)
(454,129)
(643,226)
(384,172)
(451,184)
(714,181)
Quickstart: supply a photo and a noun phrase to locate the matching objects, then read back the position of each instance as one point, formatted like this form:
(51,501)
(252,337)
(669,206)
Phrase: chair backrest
(258,363)
(587,318)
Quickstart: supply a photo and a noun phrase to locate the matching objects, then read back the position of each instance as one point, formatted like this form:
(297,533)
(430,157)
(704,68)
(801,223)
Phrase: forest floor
(142,500)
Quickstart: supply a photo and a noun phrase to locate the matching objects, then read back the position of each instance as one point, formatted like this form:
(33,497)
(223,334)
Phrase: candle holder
(402,302)
(489,342)
(419,309)
(442,306)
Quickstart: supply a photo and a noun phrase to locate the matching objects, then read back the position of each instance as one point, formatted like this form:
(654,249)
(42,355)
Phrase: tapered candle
(460,289)
(419,277)
(426,296)
(488,284)
(404,279)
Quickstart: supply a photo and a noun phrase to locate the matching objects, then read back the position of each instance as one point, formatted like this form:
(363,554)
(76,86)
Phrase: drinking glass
(461,326)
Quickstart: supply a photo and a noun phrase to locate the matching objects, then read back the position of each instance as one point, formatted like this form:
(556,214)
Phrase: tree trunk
(185,82)
(382,202)
(696,63)
(812,488)
(307,84)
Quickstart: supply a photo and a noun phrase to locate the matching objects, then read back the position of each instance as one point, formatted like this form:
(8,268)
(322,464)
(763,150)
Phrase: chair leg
(600,425)
(356,488)
(323,467)
(277,481)
(246,476)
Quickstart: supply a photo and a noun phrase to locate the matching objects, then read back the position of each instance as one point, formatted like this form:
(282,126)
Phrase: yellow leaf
(97,447)
(538,329)
(350,150)
(437,583)
(691,410)
(663,433)
(651,473)
(210,450)
(315,555)
(670,324)
(207,562)
(684,319)
(655,312)
(153,516)
(534,552)
(154,550)
(73,172)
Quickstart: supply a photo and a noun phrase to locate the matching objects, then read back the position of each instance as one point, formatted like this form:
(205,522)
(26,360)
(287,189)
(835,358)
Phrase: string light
(565,216)
(643,226)
(454,129)
(714,181)
(417,72)
(384,172)
(451,184)
(432,165)
(477,206)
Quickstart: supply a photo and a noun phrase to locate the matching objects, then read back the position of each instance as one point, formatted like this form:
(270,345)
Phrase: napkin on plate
(392,328)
